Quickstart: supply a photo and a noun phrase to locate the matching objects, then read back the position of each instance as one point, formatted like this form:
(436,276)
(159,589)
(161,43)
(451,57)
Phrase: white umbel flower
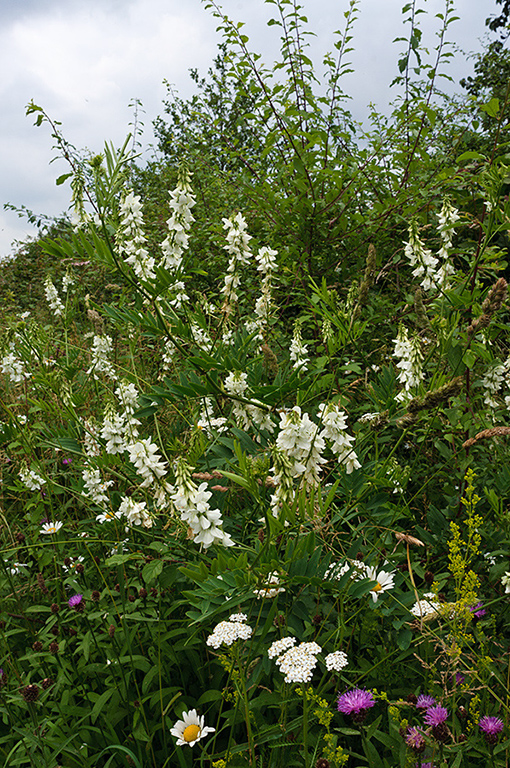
(190,729)
(227,632)
(336,661)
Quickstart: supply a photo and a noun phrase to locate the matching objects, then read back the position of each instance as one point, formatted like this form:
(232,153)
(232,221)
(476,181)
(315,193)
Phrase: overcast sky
(84,61)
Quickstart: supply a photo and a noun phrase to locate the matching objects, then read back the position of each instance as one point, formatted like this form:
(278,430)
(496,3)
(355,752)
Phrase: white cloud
(84,63)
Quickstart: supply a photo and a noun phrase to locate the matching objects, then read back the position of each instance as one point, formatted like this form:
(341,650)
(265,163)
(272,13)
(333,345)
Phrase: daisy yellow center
(191,732)
(377,588)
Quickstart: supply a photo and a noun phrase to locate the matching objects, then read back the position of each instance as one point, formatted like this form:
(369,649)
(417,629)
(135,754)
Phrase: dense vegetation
(255,466)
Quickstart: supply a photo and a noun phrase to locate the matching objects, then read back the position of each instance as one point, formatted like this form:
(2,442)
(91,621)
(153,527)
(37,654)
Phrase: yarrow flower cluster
(297,663)
(190,729)
(428,606)
(336,661)
(227,632)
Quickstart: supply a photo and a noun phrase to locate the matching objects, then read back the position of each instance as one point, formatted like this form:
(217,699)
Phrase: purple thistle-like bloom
(478,610)
(425,702)
(491,727)
(415,739)
(356,703)
(424,765)
(74,601)
(436,715)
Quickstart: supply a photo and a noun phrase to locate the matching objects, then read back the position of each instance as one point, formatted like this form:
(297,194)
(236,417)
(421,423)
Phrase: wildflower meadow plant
(253,456)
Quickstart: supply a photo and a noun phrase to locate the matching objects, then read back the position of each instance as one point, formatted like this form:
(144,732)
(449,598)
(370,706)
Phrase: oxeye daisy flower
(383,579)
(356,703)
(491,727)
(49,528)
(190,729)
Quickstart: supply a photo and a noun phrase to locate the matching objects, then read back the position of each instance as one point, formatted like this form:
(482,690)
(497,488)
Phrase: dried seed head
(47,683)
(30,692)
(111,630)
(37,646)
(53,646)
(95,596)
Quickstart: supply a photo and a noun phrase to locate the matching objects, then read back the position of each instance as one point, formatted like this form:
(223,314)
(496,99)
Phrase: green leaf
(151,571)
(491,108)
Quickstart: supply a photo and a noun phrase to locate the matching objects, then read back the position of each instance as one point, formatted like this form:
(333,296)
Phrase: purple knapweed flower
(356,703)
(74,601)
(424,701)
(436,717)
(424,765)
(415,739)
(491,727)
(478,610)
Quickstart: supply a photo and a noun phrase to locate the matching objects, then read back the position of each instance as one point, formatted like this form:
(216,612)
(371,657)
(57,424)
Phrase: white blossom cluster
(270,588)
(227,632)
(427,268)
(135,512)
(31,479)
(298,663)
(236,384)
(205,524)
(427,606)
(130,238)
(91,444)
(102,348)
(358,570)
(169,352)
(304,442)
(334,423)
(147,461)
(493,381)
(410,362)
(279,646)
(14,368)
(336,661)
(95,487)
(266,263)
(505,581)
(67,282)
(240,254)
(113,431)
(181,219)
(208,421)
(298,350)
(53,298)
